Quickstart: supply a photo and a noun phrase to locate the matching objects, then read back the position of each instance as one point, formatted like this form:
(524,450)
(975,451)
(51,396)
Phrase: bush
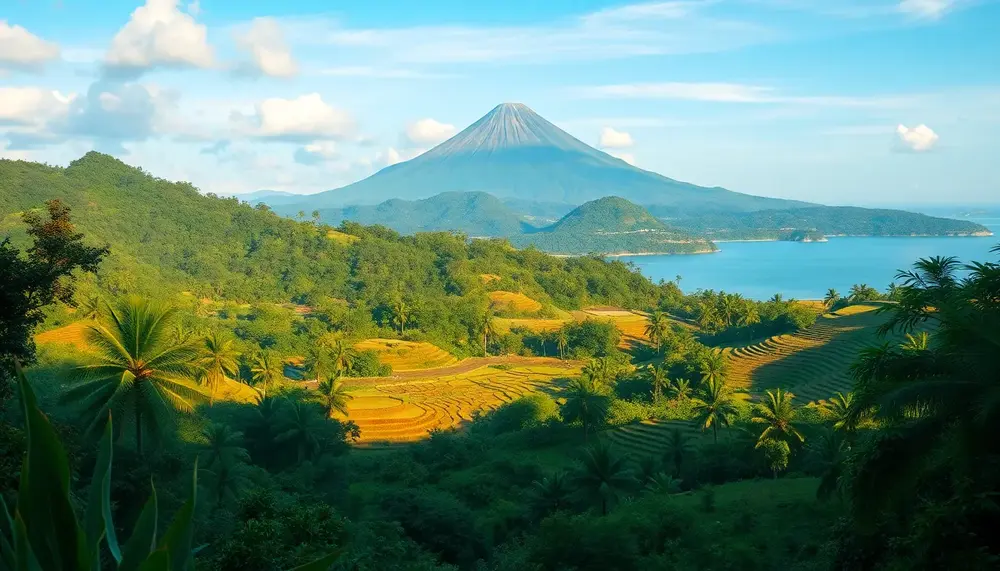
(526,412)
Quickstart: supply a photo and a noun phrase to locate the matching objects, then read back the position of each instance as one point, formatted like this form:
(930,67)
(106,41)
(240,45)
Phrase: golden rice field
(407,355)
(813,364)
(536,325)
(513,301)
(394,411)
(341,237)
(73,334)
(631,324)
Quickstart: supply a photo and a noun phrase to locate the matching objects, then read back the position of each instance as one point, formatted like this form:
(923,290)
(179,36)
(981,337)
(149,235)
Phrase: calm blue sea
(805,271)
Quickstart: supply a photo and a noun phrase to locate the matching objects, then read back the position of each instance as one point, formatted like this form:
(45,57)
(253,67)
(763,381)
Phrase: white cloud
(31,105)
(927,9)
(627,157)
(21,49)
(612,139)
(386,158)
(266,44)
(920,138)
(733,93)
(317,153)
(307,118)
(648,28)
(428,132)
(159,34)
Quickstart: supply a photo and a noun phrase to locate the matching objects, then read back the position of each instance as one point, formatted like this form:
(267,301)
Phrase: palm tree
(343,357)
(550,494)
(301,429)
(562,342)
(488,328)
(714,406)
(320,361)
(222,446)
(603,475)
(831,298)
(829,452)
(658,378)
(334,396)
(89,308)
(678,447)
(598,370)
(586,403)
(218,362)
(137,371)
(267,370)
(400,314)
(777,412)
(841,410)
(663,483)
(714,367)
(916,343)
(657,328)
(681,389)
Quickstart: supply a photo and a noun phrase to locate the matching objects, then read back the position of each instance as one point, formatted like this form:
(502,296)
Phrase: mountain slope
(612,225)
(474,213)
(514,153)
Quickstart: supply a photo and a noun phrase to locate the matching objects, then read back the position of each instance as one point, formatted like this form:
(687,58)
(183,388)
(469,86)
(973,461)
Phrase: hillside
(474,213)
(514,153)
(826,220)
(612,225)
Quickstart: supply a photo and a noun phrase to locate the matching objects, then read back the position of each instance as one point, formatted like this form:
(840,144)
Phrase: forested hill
(165,237)
(825,220)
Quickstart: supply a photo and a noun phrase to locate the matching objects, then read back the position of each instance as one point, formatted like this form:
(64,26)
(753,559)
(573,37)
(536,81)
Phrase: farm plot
(407,355)
(408,410)
(73,334)
(512,301)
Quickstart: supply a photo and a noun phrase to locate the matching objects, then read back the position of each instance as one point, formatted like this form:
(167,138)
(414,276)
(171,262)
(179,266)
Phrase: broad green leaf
(6,536)
(143,539)
(321,564)
(98,523)
(158,560)
(43,498)
(24,556)
(177,540)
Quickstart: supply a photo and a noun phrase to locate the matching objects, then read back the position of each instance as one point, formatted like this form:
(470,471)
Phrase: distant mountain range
(513,174)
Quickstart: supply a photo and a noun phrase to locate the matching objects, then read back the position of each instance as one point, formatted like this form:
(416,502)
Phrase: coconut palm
(136,372)
(831,298)
(677,449)
(657,328)
(777,412)
(828,452)
(681,389)
(585,403)
(562,343)
(319,363)
(550,494)
(222,446)
(401,314)
(714,367)
(662,483)
(648,468)
(344,356)
(658,379)
(89,308)
(713,406)
(916,343)
(267,370)
(301,428)
(488,328)
(598,370)
(218,361)
(841,410)
(603,475)
(333,396)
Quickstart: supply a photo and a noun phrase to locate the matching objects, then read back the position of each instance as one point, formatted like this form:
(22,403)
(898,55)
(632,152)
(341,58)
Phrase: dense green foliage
(821,220)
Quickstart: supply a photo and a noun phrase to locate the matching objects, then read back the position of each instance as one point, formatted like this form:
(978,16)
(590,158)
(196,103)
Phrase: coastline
(962,235)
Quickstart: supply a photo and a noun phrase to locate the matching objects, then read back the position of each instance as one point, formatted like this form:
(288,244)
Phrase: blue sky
(836,101)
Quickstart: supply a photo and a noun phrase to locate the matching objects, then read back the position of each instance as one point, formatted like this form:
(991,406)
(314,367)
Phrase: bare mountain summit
(514,153)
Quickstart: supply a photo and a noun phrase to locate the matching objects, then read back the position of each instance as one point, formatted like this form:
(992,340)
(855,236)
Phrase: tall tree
(333,395)
(680,389)
(218,361)
(831,298)
(39,277)
(400,314)
(562,342)
(841,410)
(657,328)
(678,448)
(714,367)
(488,328)
(658,379)
(777,412)
(344,356)
(267,370)
(713,406)
(586,403)
(550,494)
(300,428)
(136,370)
(603,475)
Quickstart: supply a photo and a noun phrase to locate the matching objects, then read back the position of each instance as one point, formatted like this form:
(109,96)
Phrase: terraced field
(407,355)
(72,334)
(514,301)
(813,364)
(390,411)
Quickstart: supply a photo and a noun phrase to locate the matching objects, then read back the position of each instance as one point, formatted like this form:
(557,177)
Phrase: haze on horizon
(844,102)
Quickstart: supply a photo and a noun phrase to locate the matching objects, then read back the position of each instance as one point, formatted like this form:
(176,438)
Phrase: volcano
(515,154)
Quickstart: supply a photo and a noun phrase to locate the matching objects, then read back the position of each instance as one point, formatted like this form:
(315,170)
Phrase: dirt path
(463,366)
